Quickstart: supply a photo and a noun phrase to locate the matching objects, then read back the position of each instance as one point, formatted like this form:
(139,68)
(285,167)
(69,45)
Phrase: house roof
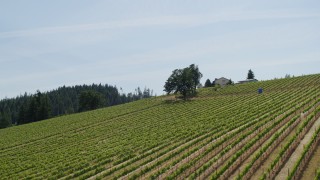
(222,78)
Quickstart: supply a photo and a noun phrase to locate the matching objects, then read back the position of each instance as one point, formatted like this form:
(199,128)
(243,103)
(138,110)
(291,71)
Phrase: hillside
(63,100)
(232,132)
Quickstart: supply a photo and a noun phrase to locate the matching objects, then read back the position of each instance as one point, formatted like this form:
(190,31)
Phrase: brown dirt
(313,165)
(247,161)
(272,156)
(296,154)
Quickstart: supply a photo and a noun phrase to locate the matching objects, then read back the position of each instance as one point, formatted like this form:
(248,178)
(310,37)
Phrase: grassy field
(229,133)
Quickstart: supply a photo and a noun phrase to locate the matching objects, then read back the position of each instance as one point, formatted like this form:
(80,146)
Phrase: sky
(48,44)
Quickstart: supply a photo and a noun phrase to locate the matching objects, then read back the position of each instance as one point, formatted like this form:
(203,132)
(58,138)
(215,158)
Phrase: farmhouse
(221,81)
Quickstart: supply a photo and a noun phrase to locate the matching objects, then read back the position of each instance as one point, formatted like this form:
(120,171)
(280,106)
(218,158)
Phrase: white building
(221,81)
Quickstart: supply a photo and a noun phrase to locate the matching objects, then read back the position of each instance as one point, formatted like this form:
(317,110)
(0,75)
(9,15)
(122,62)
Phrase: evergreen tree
(230,82)
(44,109)
(208,83)
(22,116)
(90,100)
(32,111)
(250,74)
(64,100)
(147,93)
(4,120)
(213,83)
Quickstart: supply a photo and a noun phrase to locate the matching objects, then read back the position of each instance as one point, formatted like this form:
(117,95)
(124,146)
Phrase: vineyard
(227,133)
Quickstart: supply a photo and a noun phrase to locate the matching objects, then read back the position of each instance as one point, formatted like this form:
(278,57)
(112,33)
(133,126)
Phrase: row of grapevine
(225,133)
(171,164)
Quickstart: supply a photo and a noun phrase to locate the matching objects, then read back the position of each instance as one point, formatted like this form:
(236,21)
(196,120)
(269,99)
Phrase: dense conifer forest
(64,100)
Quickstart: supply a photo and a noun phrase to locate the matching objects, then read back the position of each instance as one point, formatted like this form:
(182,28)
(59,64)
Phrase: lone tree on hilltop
(250,74)
(196,76)
(184,81)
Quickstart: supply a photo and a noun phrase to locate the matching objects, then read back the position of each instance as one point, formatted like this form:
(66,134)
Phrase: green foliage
(208,83)
(90,100)
(184,81)
(230,82)
(250,74)
(151,139)
(35,109)
(318,174)
(4,120)
(64,100)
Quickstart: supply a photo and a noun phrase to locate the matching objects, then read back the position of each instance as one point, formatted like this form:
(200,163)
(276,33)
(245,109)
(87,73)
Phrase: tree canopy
(250,74)
(90,100)
(230,82)
(64,100)
(4,120)
(184,81)
(208,83)
(36,109)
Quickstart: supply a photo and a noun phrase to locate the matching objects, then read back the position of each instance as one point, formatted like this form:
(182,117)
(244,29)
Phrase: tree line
(64,100)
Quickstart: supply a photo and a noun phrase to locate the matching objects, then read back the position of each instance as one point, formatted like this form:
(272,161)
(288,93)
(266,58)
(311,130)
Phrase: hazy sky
(47,44)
